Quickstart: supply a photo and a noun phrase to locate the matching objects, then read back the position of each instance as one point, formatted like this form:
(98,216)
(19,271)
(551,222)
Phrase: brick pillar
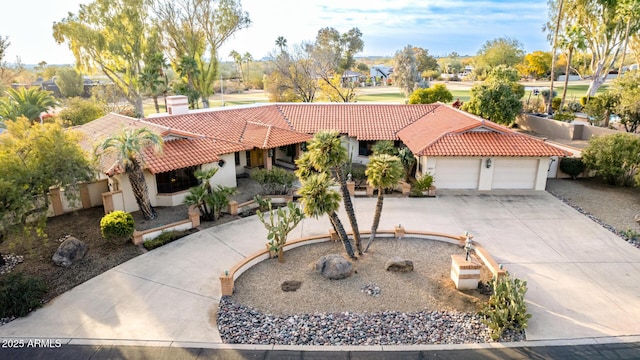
(107,202)
(56,201)
(333,235)
(233,207)
(194,215)
(370,190)
(226,285)
(465,274)
(406,188)
(84,196)
(398,231)
(351,186)
(137,237)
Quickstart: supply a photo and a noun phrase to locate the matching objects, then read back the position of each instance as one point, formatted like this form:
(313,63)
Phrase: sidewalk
(582,279)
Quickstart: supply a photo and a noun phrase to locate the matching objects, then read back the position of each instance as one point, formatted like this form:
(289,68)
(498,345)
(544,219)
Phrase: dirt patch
(428,287)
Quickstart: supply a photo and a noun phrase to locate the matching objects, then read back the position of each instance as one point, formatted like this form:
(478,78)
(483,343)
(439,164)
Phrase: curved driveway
(583,280)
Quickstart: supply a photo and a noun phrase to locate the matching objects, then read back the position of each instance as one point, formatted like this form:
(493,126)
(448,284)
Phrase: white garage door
(514,173)
(457,173)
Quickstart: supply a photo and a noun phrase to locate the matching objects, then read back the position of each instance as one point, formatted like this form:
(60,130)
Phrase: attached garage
(457,173)
(514,173)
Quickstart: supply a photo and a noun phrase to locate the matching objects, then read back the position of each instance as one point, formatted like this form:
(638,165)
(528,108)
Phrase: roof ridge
(285,117)
(266,137)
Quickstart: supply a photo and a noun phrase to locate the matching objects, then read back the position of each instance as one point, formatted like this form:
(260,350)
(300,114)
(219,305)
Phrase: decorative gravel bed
(243,325)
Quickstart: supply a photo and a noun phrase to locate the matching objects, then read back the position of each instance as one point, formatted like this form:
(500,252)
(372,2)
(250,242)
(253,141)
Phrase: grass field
(393,95)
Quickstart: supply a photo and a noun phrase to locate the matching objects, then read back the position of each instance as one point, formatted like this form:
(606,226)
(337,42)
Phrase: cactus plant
(506,308)
(279,225)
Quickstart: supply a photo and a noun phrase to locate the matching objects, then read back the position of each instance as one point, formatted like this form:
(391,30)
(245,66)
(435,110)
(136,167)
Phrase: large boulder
(334,267)
(398,264)
(70,251)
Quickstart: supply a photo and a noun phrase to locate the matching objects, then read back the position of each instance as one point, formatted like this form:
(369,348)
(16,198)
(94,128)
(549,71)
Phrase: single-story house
(461,150)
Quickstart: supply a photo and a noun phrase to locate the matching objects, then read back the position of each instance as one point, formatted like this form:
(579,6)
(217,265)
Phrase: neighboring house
(461,150)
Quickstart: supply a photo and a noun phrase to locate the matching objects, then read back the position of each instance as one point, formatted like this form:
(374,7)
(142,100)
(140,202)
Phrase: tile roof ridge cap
(266,138)
(285,117)
(430,111)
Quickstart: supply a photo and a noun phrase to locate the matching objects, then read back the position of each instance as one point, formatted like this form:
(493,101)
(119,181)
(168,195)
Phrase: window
(176,180)
(364,147)
(237,156)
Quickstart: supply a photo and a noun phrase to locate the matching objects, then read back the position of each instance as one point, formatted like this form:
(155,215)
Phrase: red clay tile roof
(434,130)
(485,143)
(362,121)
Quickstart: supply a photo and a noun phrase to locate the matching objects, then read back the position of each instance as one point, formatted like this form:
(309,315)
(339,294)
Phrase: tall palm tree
(281,43)
(384,171)
(129,146)
(153,78)
(318,198)
(326,153)
(29,103)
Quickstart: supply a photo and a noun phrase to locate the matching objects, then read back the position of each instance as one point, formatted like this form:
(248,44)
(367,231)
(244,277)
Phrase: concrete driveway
(583,280)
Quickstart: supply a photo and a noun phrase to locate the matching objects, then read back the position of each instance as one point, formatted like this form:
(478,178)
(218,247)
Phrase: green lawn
(382,98)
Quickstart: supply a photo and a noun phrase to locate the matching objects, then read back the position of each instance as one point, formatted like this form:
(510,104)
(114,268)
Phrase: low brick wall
(229,276)
(139,237)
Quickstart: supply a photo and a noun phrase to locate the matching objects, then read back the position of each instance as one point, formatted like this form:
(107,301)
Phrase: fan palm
(384,171)
(29,103)
(129,146)
(318,198)
(326,153)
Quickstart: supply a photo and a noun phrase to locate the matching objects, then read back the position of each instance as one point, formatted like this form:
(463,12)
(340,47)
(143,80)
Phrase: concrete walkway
(583,280)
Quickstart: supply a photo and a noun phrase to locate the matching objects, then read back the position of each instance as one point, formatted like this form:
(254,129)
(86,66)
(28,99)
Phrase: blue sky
(442,26)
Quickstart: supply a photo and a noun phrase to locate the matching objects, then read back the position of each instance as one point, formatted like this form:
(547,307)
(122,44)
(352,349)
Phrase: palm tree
(129,147)
(384,147)
(384,171)
(318,198)
(29,103)
(281,43)
(153,79)
(326,153)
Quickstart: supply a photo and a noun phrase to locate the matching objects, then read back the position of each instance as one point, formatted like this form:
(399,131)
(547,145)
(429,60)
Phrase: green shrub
(117,225)
(276,181)
(20,294)
(572,166)
(424,182)
(555,103)
(584,100)
(573,106)
(164,238)
(564,116)
(506,309)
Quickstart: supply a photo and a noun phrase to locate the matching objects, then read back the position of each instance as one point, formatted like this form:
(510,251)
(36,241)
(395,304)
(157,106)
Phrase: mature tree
(247,59)
(627,88)
(326,154)
(34,159)
(110,35)
(436,93)
(536,64)
(78,111)
(70,82)
(237,60)
(129,146)
(498,98)
(293,78)
(319,198)
(634,45)
(153,78)
(7,73)
(614,157)
(405,70)
(383,172)
(30,103)
(499,51)
(424,61)
(599,108)
(188,70)
(571,39)
(333,53)
(196,29)
(606,26)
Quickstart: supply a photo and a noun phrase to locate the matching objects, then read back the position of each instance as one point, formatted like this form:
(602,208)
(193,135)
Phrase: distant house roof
(427,130)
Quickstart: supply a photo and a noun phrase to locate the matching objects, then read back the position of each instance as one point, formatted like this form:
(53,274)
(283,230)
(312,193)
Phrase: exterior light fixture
(270,153)
(488,163)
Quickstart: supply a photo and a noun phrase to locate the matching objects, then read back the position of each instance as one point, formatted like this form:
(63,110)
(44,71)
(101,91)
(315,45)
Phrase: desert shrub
(20,294)
(584,100)
(117,225)
(572,166)
(276,181)
(506,309)
(424,182)
(564,116)
(80,111)
(614,157)
(573,106)
(545,95)
(164,238)
(555,103)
